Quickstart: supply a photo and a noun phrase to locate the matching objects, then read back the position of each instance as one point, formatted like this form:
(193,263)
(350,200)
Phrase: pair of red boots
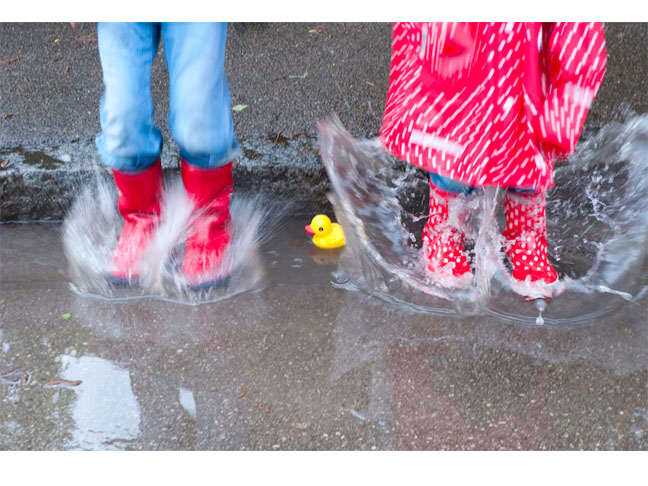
(139,203)
(525,241)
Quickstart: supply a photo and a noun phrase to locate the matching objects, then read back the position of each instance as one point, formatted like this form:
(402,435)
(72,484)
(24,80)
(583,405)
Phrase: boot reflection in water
(199,120)
(490,104)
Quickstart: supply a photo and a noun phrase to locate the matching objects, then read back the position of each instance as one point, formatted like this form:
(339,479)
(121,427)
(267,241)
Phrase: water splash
(597,221)
(91,229)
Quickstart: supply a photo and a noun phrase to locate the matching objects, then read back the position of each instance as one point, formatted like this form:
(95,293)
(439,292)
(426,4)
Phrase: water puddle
(33,158)
(597,221)
(106,413)
(302,363)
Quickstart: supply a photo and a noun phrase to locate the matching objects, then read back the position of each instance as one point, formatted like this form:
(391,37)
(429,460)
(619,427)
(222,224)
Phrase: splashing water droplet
(597,228)
(92,226)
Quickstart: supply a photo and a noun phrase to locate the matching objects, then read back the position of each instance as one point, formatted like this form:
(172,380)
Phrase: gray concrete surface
(301,365)
(289,74)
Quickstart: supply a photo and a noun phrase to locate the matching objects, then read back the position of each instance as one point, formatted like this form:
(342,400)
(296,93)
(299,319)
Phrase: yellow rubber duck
(327,235)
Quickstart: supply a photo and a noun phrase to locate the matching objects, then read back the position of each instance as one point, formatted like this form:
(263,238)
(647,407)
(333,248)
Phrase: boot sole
(122,282)
(211,284)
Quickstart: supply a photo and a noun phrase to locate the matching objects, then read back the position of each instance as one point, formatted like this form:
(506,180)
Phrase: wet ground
(301,363)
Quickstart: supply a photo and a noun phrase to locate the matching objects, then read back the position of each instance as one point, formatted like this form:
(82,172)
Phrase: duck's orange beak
(309,229)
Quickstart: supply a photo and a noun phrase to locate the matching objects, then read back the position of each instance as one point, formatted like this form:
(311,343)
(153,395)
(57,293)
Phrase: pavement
(289,75)
(301,364)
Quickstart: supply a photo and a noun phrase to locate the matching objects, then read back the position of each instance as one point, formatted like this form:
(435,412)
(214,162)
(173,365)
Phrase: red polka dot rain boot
(526,244)
(443,244)
(204,264)
(139,200)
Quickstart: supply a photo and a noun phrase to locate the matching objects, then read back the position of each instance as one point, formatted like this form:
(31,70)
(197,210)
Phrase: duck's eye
(321,229)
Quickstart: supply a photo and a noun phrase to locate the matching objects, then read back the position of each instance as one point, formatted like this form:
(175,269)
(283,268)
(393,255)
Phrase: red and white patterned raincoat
(491,104)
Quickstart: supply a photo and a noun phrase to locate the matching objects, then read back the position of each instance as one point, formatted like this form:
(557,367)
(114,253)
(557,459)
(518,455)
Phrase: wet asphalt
(301,364)
(287,75)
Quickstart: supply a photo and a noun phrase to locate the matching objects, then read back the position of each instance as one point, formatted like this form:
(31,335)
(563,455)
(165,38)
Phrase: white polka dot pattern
(491,103)
(526,238)
(443,244)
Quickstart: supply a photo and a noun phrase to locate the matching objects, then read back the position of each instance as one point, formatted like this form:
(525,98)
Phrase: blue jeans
(199,118)
(446,184)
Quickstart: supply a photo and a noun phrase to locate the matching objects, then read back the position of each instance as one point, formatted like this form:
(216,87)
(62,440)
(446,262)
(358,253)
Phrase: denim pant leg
(446,184)
(451,186)
(128,141)
(200,115)
(524,192)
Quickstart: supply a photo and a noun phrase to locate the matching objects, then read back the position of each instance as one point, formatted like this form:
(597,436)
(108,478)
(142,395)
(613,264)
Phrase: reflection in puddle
(188,401)
(106,412)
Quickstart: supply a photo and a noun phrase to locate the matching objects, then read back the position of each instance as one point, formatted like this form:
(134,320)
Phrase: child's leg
(200,115)
(450,186)
(200,120)
(526,236)
(443,242)
(128,142)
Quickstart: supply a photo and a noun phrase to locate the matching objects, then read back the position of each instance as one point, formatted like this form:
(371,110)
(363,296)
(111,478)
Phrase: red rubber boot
(210,190)
(526,239)
(139,200)
(444,244)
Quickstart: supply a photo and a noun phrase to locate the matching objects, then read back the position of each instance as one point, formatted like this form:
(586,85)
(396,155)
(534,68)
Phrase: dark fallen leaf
(67,69)
(12,60)
(16,375)
(57,58)
(6,116)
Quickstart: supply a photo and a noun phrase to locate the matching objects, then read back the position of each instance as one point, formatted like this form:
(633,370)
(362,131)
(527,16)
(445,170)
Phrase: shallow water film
(301,363)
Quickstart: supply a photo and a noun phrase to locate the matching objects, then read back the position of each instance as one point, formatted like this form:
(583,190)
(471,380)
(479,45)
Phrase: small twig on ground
(86,38)
(279,134)
(63,382)
(263,405)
